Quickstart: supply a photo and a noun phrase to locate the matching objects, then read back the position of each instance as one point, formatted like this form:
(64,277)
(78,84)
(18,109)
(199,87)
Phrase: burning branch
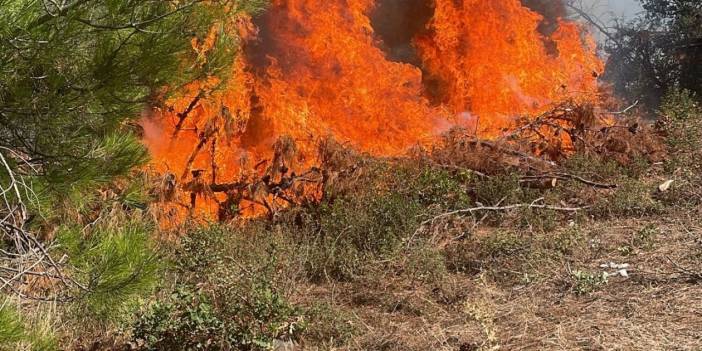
(210,130)
(183,115)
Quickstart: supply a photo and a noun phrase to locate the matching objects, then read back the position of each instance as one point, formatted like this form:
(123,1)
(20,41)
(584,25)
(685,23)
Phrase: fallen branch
(533,205)
(565,177)
(692,274)
(27,256)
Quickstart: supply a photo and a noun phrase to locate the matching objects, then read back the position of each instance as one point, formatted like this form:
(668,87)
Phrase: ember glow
(379,75)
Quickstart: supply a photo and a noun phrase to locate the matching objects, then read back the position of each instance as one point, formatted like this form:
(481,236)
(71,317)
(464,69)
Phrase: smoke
(397,23)
(551,10)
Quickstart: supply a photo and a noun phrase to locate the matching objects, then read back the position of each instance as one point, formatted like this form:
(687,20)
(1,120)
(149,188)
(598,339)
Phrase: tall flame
(311,69)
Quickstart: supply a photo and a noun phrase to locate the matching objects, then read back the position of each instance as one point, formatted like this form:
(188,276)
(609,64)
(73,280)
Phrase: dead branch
(27,259)
(624,111)
(534,205)
(692,274)
(566,177)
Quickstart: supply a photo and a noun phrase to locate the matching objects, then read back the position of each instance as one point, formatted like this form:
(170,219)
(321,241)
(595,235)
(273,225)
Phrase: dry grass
(656,308)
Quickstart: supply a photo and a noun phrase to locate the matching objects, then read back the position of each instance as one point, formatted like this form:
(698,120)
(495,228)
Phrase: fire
(313,69)
(489,58)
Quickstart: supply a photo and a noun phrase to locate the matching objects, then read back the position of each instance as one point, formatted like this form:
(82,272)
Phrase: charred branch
(210,130)
(182,116)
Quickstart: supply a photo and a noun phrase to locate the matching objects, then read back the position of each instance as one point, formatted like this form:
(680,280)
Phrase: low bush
(631,198)
(681,121)
(230,294)
(584,282)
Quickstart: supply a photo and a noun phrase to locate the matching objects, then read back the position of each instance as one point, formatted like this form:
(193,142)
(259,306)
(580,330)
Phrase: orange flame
(311,69)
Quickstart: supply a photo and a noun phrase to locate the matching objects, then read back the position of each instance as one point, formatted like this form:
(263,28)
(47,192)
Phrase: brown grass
(655,308)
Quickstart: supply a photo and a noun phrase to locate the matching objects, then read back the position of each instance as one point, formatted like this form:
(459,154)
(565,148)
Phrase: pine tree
(75,75)
(73,72)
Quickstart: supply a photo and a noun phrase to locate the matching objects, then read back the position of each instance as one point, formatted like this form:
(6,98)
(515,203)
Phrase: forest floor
(517,291)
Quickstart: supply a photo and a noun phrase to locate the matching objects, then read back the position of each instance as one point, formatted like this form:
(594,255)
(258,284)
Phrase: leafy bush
(352,231)
(440,188)
(189,320)
(184,320)
(584,283)
(592,166)
(505,189)
(631,198)
(329,326)
(566,241)
(645,238)
(681,120)
(230,293)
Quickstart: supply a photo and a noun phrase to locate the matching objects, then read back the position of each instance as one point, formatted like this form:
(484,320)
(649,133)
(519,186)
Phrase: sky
(609,9)
(606,11)
(626,8)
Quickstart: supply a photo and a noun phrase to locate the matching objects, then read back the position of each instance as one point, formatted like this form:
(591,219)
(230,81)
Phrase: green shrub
(645,238)
(682,122)
(505,189)
(502,244)
(592,166)
(329,326)
(435,187)
(424,262)
(184,320)
(193,320)
(352,232)
(231,292)
(584,283)
(566,241)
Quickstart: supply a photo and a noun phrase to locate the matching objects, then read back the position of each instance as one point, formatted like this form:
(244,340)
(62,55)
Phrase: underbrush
(681,121)
(396,237)
(23,332)
(244,286)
